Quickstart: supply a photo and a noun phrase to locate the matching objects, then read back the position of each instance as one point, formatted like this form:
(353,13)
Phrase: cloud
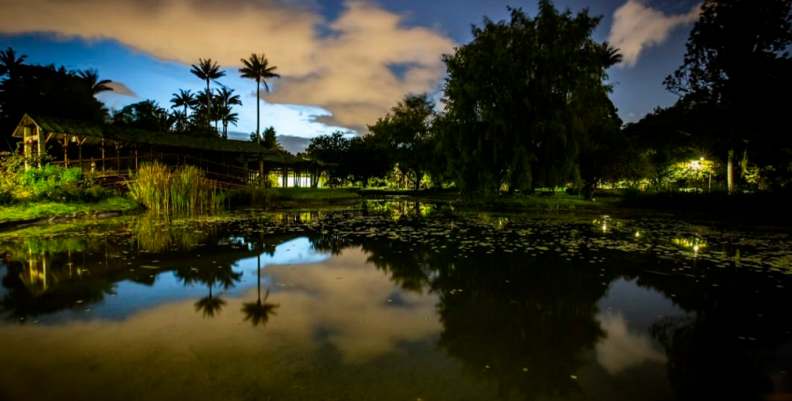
(293,144)
(340,65)
(121,89)
(637,26)
(621,349)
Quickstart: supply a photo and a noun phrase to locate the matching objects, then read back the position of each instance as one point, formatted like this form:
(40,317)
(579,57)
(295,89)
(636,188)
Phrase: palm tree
(258,312)
(227,98)
(209,103)
(257,67)
(9,62)
(186,99)
(610,55)
(228,117)
(91,78)
(207,70)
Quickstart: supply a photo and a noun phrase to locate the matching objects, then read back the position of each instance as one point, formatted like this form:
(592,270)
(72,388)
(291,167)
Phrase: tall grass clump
(183,189)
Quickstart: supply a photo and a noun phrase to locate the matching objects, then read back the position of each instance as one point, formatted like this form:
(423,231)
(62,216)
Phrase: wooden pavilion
(115,152)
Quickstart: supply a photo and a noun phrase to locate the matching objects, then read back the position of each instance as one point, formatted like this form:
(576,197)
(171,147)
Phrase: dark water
(397,302)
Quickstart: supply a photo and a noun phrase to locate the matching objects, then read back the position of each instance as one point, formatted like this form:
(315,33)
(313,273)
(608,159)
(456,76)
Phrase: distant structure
(116,152)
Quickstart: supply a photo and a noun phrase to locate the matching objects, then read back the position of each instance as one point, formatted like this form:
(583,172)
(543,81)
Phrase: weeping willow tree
(521,98)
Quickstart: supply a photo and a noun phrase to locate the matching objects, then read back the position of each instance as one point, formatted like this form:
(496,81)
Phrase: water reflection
(258,313)
(427,306)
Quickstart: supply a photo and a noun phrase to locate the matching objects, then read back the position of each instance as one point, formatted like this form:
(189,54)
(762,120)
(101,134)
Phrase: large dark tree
(521,97)
(737,68)
(270,140)
(407,135)
(46,91)
(331,149)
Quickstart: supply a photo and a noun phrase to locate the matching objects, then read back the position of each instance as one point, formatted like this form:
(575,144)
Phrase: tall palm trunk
(208,105)
(730,171)
(258,112)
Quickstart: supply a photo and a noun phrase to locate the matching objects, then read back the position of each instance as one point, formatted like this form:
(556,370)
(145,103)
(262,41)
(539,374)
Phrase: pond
(397,301)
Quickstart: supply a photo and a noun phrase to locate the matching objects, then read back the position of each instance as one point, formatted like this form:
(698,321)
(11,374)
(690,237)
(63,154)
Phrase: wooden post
(65,151)
(103,155)
(40,144)
(79,151)
(261,172)
(246,175)
(285,178)
(118,157)
(28,149)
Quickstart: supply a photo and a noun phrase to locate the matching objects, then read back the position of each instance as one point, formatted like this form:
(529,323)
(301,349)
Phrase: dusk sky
(344,63)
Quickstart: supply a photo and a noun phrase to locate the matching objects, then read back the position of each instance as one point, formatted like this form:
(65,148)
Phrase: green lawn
(312,193)
(27,211)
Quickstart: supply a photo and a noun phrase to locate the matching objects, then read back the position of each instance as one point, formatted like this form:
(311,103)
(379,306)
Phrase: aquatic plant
(182,189)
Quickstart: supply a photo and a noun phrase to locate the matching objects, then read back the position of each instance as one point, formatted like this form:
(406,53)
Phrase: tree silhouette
(227,99)
(9,62)
(737,68)
(207,70)
(91,78)
(257,67)
(185,99)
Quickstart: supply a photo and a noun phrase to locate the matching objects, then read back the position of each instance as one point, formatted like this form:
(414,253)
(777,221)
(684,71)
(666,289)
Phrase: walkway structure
(113,151)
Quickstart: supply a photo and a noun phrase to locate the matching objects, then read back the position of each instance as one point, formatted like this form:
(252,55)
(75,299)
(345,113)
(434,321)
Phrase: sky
(343,63)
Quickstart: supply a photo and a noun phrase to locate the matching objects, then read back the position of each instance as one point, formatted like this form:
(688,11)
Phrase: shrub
(48,183)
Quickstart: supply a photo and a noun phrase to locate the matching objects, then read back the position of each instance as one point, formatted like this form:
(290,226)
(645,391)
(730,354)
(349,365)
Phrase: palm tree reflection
(211,275)
(209,305)
(258,313)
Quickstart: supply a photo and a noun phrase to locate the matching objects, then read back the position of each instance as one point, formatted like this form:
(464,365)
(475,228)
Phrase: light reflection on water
(392,306)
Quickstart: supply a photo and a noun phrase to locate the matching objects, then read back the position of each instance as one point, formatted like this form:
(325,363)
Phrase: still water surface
(397,303)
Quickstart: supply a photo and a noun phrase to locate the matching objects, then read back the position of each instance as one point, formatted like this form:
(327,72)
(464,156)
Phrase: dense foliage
(736,77)
(524,98)
(49,183)
(43,90)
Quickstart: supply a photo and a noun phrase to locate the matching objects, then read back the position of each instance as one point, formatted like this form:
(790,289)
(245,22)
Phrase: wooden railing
(224,174)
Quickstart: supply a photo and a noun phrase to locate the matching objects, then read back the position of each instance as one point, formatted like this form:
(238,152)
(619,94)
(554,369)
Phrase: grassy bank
(289,197)
(48,209)
(557,201)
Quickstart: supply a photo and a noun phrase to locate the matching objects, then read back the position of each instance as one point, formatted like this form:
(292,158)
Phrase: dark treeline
(526,105)
(58,92)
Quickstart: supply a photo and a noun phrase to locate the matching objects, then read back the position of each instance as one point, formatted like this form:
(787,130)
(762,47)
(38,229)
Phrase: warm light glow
(637,234)
(695,244)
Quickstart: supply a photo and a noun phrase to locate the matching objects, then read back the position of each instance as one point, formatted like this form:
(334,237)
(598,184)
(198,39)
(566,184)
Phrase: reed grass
(183,189)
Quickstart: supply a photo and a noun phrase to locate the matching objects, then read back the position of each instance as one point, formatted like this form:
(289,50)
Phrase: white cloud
(622,349)
(120,89)
(345,71)
(637,26)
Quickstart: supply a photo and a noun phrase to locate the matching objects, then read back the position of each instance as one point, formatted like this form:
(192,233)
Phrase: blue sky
(344,63)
